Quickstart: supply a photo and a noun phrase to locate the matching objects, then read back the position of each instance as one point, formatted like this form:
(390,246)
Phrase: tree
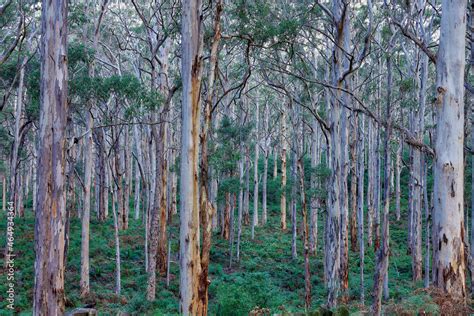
(191,70)
(448,213)
(48,295)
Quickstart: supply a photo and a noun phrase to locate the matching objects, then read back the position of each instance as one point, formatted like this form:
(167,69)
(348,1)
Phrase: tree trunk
(275,164)
(17,142)
(377,189)
(337,160)
(136,134)
(163,185)
(255,174)
(344,270)
(471,100)
(314,201)
(154,227)
(381,275)
(417,256)
(246,210)
(126,176)
(191,71)
(294,226)
(240,206)
(265,164)
(4,193)
(85,217)
(360,205)
(226,224)
(232,230)
(283,171)
(48,294)
(353,170)
(117,249)
(207,209)
(371,183)
(34,180)
(426,204)
(307,272)
(398,171)
(448,215)
(119,178)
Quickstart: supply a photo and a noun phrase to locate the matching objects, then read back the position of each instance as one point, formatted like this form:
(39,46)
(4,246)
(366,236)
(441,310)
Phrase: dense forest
(236,157)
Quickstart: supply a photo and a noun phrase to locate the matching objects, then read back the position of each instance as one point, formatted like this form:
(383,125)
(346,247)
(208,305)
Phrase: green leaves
(78,53)
(126,87)
(264,21)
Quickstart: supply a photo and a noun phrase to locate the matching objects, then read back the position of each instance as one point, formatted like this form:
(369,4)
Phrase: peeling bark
(48,293)
(448,215)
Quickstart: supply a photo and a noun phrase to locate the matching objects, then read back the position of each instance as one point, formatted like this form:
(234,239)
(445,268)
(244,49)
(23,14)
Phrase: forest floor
(266,276)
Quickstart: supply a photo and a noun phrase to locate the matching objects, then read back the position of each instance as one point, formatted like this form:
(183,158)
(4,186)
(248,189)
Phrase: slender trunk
(88,157)
(377,189)
(4,193)
(353,170)
(417,256)
(383,251)
(157,227)
(163,178)
(398,171)
(255,175)
(101,194)
(265,164)
(370,184)
(283,172)
(240,206)
(117,252)
(232,231)
(85,216)
(214,190)
(119,181)
(106,176)
(426,205)
(126,177)
(168,265)
(148,166)
(344,270)
(314,201)
(17,142)
(35,181)
(137,192)
(275,164)
(416,226)
(246,210)
(360,205)
(294,225)
(307,272)
(71,153)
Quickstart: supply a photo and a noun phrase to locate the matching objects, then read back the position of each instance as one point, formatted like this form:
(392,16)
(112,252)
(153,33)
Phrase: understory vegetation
(266,281)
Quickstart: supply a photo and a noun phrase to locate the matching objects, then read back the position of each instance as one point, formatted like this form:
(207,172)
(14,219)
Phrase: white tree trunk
(360,204)
(448,215)
(265,164)
(255,173)
(283,171)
